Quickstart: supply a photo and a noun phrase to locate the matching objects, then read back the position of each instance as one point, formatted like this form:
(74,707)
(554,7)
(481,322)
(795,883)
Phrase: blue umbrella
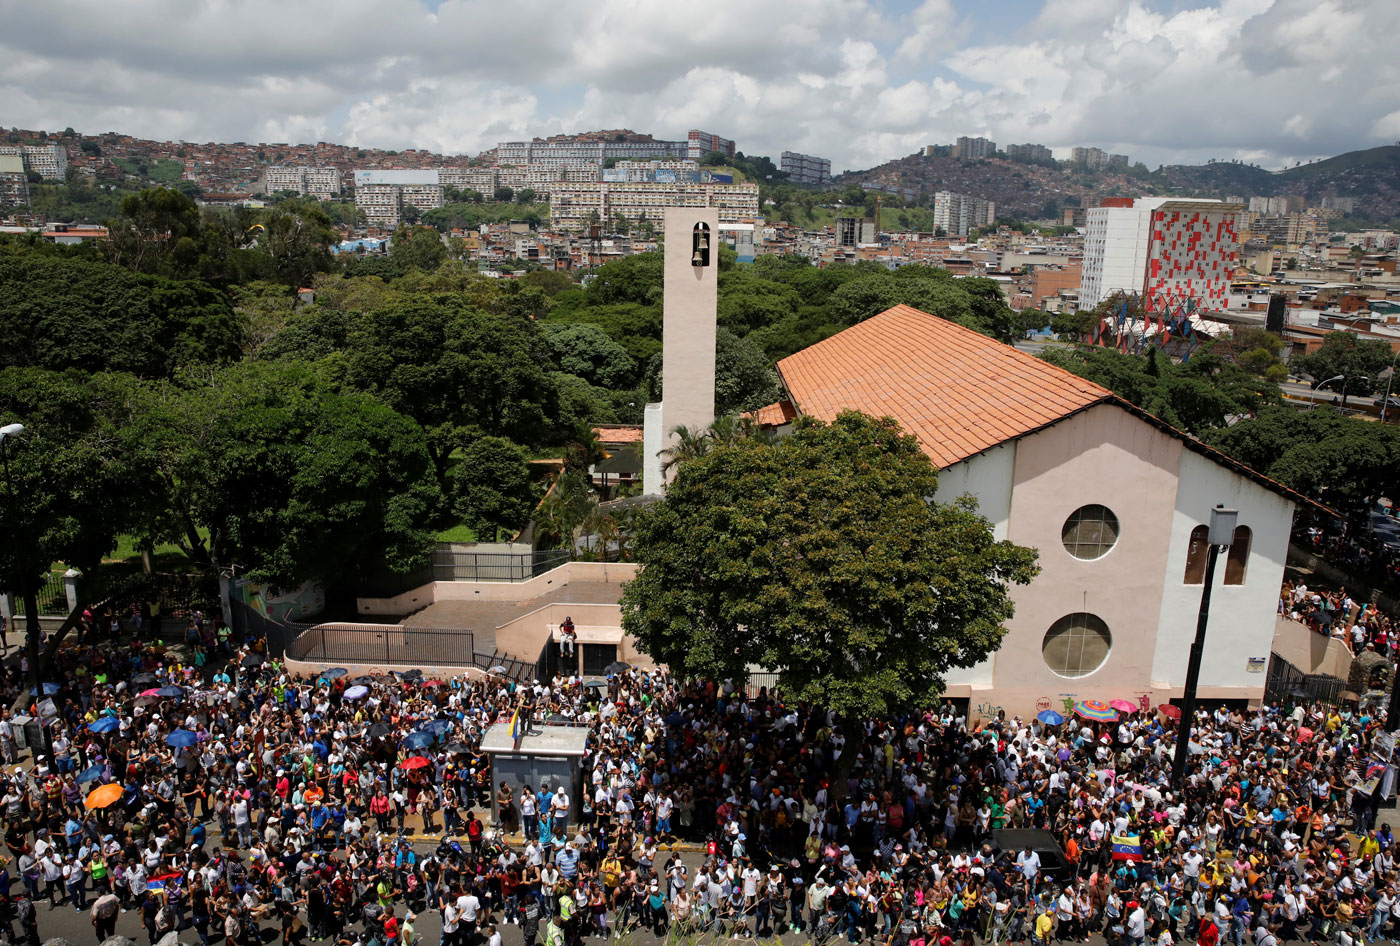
(170,691)
(417,740)
(1050,717)
(92,774)
(436,726)
(181,739)
(49,689)
(105,724)
(355,693)
(334,673)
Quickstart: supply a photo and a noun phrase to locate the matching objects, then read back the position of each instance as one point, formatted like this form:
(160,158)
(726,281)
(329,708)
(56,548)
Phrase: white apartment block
(966,148)
(321,183)
(380,204)
(482,180)
(14,186)
(805,168)
(564,151)
(422,196)
(571,204)
(1097,158)
(48,161)
(958,214)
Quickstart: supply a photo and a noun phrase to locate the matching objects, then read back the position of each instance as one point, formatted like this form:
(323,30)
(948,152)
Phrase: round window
(1090,532)
(1076,645)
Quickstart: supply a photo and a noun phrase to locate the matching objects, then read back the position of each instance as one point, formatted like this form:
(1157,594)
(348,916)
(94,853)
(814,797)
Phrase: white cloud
(1261,80)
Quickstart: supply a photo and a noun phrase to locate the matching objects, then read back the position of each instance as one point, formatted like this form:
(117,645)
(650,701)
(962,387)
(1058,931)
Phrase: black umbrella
(361,681)
(414,674)
(145,678)
(454,748)
(386,678)
(616,666)
(254,660)
(377,729)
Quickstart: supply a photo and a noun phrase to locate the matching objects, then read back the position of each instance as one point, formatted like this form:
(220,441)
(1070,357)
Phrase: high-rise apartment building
(572,205)
(967,148)
(14,186)
(854,231)
(382,195)
(805,168)
(1029,152)
(958,214)
(701,143)
(1097,158)
(48,161)
(321,183)
(565,150)
(1162,248)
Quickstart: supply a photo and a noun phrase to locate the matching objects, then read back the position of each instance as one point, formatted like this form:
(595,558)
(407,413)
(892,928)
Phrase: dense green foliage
(819,556)
(71,313)
(1357,361)
(1195,396)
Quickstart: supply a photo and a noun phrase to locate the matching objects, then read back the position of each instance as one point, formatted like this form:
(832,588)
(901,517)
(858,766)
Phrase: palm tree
(691,442)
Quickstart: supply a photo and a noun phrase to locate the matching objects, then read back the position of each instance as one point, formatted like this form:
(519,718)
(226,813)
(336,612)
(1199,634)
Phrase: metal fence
(52,598)
(449,564)
(1286,683)
(388,644)
(452,565)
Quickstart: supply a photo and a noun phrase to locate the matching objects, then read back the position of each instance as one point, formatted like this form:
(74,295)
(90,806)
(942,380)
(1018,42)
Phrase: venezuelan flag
(1127,847)
(517,727)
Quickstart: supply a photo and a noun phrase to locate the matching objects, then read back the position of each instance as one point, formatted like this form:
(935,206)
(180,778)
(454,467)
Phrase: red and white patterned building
(1164,249)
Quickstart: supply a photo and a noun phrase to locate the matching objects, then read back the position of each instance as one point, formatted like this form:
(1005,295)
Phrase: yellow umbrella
(103,795)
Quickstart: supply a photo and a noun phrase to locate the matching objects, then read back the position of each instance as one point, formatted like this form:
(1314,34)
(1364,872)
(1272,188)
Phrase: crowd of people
(1361,625)
(234,798)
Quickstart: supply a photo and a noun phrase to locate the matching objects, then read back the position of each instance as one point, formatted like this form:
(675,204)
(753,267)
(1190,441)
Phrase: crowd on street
(236,801)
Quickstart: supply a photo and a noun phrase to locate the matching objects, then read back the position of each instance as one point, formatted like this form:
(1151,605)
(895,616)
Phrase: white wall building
(805,168)
(48,161)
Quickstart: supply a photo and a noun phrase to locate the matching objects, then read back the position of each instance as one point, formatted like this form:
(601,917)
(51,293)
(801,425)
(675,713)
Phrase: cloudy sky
(859,81)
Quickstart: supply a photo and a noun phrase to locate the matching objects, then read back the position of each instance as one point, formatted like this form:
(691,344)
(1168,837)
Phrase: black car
(1053,863)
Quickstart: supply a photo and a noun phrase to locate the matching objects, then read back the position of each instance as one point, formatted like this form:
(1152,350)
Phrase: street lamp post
(1385,404)
(1220,536)
(1339,377)
(31,597)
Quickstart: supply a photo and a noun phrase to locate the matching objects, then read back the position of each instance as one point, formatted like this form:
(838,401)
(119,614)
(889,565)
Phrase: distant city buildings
(958,214)
(855,231)
(383,195)
(48,161)
(805,168)
(1029,152)
(1097,158)
(573,206)
(321,183)
(1276,205)
(1168,250)
(599,147)
(14,185)
(701,143)
(967,148)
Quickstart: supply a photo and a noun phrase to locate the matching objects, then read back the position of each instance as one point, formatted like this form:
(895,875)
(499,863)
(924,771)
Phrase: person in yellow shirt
(1043,923)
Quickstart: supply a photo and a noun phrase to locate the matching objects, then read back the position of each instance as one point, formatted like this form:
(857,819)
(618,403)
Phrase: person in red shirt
(391,928)
(1210,933)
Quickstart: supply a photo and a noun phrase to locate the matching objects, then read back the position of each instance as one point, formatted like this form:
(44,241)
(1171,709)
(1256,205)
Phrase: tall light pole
(1388,381)
(1339,377)
(31,597)
(1221,534)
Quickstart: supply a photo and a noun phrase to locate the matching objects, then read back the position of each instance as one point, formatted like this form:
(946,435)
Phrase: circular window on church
(1076,645)
(1090,532)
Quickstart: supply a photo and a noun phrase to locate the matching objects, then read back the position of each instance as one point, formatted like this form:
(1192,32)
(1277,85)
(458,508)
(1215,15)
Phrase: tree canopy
(820,556)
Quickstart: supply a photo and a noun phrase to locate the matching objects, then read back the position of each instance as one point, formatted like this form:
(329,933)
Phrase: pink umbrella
(150,692)
(1304,734)
(1124,706)
(1169,711)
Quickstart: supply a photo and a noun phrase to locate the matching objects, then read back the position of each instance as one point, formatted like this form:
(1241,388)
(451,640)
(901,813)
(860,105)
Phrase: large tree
(821,556)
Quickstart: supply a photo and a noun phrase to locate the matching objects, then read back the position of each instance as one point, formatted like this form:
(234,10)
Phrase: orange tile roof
(957,391)
(775,414)
(618,434)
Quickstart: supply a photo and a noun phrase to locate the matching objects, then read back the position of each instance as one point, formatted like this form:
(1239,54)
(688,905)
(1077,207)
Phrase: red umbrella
(1124,706)
(432,683)
(417,762)
(1304,734)
(1169,711)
